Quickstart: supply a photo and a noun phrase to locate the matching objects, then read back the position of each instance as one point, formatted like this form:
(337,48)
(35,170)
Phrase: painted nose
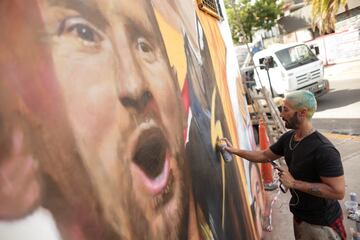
(137,102)
(133,89)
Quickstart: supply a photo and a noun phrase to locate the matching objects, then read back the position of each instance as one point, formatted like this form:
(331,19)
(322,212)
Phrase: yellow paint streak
(241,99)
(174,44)
(216,133)
(218,56)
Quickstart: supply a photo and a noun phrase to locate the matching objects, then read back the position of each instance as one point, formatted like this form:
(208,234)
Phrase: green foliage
(266,12)
(323,14)
(241,19)
(246,16)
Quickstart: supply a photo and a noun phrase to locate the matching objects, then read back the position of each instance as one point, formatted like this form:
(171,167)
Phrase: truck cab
(283,68)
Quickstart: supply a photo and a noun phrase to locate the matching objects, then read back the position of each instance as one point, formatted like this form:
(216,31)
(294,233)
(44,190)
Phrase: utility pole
(269,63)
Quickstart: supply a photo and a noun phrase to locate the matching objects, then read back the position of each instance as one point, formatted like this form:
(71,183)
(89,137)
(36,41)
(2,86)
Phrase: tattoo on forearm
(314,191)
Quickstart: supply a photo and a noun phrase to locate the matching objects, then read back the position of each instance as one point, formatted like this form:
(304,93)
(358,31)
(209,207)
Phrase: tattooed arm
(330,187)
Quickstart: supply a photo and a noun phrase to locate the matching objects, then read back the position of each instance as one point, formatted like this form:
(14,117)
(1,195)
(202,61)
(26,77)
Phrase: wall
(338,47)
(109,116)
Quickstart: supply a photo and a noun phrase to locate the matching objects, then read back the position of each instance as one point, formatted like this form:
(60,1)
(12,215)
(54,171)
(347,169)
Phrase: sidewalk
(348,70)
(349,148)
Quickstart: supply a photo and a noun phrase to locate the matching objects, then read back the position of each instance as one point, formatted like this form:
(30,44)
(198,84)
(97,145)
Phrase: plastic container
(356,236)
(353,197)
(351,206)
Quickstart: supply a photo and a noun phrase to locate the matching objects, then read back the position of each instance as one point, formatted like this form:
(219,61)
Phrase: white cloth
(39,225)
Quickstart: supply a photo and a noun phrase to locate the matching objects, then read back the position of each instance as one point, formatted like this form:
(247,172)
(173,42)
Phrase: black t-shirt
(312,157)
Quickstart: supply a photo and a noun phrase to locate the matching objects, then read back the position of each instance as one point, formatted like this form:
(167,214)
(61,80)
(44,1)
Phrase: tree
(245,16)
(266,12)
(241,19)
(323,14)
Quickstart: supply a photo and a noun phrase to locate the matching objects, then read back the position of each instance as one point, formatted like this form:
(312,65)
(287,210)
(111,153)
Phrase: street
(339,110)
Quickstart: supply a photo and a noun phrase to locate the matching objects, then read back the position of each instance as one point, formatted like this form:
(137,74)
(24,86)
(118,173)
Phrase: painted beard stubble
(174,228)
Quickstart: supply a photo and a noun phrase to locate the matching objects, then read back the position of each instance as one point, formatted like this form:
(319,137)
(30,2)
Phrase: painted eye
(144,46)
(84,32)
(145,50)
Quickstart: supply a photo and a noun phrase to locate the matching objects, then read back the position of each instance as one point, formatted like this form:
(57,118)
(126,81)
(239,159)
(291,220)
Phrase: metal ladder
(265,108)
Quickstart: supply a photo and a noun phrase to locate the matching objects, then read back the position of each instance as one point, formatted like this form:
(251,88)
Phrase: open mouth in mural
(152,160)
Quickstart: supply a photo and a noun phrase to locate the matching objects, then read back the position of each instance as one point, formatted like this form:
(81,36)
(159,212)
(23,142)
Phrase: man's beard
(293,122)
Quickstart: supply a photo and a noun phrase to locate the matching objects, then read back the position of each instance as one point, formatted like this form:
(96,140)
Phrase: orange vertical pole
(266,168)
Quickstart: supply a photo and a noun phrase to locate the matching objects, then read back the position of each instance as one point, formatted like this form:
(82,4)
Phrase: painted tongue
(157,184)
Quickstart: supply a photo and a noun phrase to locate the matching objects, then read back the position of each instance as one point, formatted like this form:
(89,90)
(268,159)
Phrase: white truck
(283,68)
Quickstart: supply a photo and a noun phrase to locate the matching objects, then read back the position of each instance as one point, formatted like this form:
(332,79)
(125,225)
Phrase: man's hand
(329,187)
(19,185)
(229,147)
(253,156)
(285,177)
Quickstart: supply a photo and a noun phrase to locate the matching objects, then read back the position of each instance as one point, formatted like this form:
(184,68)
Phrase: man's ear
(303,113)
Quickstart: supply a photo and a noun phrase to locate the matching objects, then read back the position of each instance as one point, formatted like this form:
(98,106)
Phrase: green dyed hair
(303,99)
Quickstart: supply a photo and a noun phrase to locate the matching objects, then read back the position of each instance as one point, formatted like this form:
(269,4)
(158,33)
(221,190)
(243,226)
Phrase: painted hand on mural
(19,186)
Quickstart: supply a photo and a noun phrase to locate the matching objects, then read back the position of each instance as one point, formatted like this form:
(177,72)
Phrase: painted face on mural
(124,108)
(258,201)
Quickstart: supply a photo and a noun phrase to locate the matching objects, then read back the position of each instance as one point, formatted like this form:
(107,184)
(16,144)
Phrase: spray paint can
(353,197)
(225,154)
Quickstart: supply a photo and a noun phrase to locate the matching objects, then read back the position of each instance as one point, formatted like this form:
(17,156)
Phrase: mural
(109,116)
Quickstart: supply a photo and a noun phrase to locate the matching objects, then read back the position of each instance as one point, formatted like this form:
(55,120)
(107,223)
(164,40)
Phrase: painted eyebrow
(137,29)
(144,27)
(88,9)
